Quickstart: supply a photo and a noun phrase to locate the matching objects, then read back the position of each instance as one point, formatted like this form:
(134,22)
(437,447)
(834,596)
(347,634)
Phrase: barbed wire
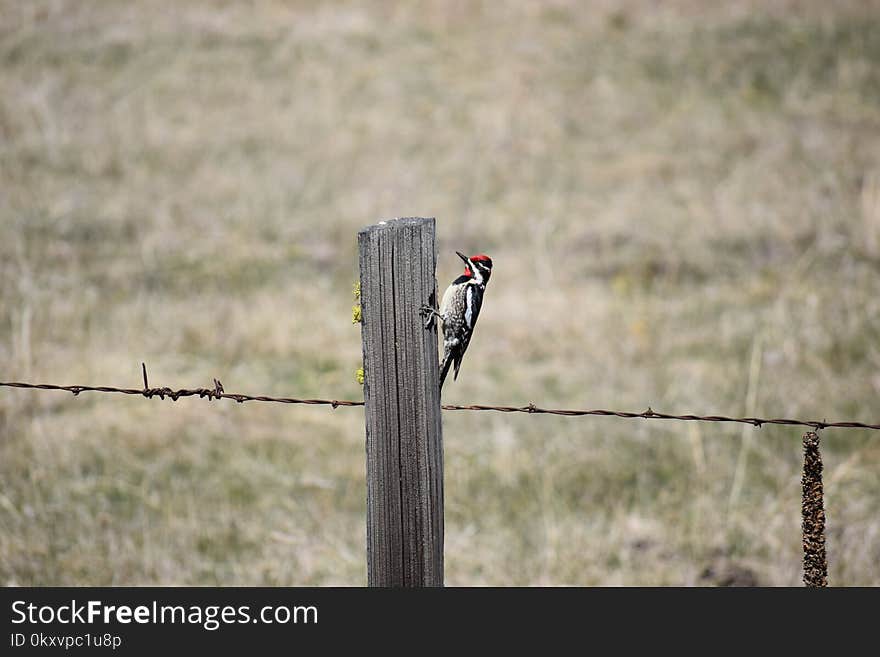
(217,392)
(653,415)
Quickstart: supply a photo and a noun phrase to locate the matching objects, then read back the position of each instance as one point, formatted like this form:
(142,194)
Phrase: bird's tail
(445,364)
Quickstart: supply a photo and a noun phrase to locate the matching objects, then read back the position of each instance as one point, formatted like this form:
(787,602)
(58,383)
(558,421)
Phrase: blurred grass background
(682,201)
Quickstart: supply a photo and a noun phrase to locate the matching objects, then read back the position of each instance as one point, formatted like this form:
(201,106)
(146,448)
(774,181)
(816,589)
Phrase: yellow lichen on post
(356,317)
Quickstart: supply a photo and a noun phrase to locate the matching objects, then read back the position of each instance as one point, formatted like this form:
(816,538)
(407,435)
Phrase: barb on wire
(217,392)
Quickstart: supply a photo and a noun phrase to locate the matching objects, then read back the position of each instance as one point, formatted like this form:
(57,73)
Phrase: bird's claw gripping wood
(429,313)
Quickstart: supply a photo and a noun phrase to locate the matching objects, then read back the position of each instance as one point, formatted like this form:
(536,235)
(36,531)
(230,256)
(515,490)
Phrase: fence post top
(397,222)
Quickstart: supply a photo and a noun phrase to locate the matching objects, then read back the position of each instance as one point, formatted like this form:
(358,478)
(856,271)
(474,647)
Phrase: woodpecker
(459,310)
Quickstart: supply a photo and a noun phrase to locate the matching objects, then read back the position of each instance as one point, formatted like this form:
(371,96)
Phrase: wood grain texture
(404,441)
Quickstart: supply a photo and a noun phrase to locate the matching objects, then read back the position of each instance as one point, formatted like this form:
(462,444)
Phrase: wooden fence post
(402,405)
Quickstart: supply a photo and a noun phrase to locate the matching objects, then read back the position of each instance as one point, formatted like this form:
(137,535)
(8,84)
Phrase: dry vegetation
(682,201)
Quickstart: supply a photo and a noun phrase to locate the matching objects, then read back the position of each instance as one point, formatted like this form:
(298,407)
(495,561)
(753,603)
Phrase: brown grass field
(682,201)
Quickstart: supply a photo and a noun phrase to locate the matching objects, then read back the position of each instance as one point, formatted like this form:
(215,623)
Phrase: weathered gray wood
(402,395)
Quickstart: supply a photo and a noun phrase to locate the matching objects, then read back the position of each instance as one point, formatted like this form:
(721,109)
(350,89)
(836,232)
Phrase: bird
(459,310)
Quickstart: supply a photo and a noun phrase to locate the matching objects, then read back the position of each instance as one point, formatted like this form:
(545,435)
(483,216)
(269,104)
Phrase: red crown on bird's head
(480,257)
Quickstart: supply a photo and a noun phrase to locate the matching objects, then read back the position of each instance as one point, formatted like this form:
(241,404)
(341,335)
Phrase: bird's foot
(429,313)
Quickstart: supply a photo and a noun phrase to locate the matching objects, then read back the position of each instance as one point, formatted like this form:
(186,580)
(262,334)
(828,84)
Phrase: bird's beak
(463,257)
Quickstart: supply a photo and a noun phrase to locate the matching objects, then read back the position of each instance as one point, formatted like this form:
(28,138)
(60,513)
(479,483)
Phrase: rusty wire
(653,415)
(217,392)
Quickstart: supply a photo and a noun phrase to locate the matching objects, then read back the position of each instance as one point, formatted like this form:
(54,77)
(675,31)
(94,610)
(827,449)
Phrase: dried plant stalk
(813,511)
